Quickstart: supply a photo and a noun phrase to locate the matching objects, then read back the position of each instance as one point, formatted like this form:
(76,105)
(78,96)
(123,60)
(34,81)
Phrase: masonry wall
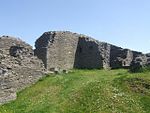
(61,53)
(41,46)
(60,49)
(120,57)
(19,68)
(105,54)
(67,50)
(88,54)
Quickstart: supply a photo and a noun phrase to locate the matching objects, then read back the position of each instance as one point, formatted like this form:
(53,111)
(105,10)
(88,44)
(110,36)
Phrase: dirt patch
(139,85)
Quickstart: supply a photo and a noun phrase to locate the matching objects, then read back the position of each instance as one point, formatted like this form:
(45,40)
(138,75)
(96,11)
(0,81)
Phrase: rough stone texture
(139,61)
(66,50)
(58,51)
(91,54)
(147,59)
(125,58)
(120,57)
(87,54)
(105,54)
(19,67)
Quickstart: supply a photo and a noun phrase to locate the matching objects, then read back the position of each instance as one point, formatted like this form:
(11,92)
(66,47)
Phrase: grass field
(85,91)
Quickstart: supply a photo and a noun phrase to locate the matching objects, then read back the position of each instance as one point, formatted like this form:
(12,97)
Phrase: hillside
(85,91)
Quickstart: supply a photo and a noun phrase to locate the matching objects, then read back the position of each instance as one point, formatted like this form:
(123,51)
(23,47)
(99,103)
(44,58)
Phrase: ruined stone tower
(57,49)
(67,50)
(21,66)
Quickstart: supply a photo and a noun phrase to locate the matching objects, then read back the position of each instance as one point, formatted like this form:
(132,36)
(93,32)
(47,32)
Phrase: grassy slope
(85,91)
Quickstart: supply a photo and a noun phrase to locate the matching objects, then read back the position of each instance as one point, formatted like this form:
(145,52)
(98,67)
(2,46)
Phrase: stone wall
(67,50)
(120,57)
(91,54)
(105,54)
(87,54)
(58,50)
(19,67)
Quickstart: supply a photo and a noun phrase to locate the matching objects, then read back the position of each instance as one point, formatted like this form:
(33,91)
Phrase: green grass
(85,91)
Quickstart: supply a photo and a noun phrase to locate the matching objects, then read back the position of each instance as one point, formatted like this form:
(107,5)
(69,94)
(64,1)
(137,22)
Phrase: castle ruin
(21,66)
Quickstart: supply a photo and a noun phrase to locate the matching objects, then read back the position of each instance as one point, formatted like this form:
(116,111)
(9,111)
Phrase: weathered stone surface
(66,50)
(87,54)
(7,92)
(120,58)
(19,67)
(91,54)
(148,59)
(139,62)
(58,51)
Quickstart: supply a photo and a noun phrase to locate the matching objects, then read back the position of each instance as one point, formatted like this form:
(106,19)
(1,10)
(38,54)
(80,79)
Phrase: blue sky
(125,23)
